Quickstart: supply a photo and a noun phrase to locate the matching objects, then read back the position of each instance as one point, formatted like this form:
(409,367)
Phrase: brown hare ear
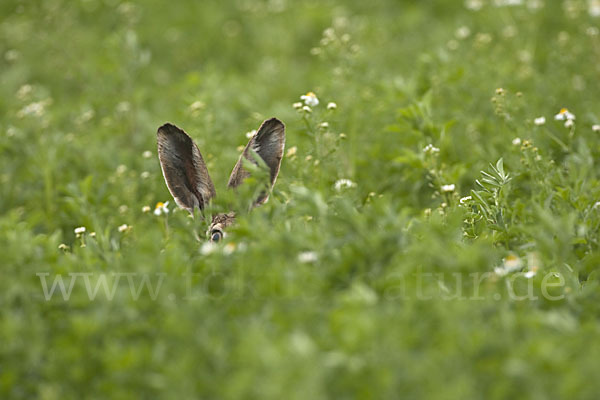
(183,168)
(268,143)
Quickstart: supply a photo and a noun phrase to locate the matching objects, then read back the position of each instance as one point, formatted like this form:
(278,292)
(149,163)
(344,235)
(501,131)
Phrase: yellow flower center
(159,204)
(311,94)
(563,111)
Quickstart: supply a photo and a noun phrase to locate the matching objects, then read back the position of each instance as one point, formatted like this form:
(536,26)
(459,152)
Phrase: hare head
(187,177)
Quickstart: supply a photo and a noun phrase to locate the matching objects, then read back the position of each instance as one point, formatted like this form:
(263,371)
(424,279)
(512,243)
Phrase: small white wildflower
(93,234)
(208,248)
(306,109)
(563,115)
(448,188)
(516,141)
(463,200)
(344,184)
(251,133)
(147,154)
(310,99)
(80,230)
(297,105)
(463,32)
(324,125)
(539,121)
(512,263)
(146,209)
(145,175)
(306,257)
(331,105)
(124,228)
(37,109)
(569,123)
(229,248)
(123,107)
(63,247)
(291,151)
(11,55)
(594,8)
(121,169)
(473,5)
(503,3)
(161,208)
(85,116)
(430,149)
(197,105)
(596,128)
(529,274)
(24,91)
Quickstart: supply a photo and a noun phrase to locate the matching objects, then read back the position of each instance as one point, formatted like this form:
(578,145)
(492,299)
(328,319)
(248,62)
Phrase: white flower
(594,8)
(503,3)
(161,208)
(24,91)
(310,99)
(569,123)
(251,133)
(147,154)
(123,107)
(430,149)
(36,109)
(511,263)
(307,257)
(123,228)
(463,32)
(93,234)
(331,105)
(516,141)
(229,248)
(564,114)
(80,230)
(448,188)
(146,209)
(306,109)
(463,200)
(596,128)
(197,105)
(529,274)
(145,175)
(291,151)
(297,105)
(324,125)
(208,248)
(344,184)
(474,5)
(539,121)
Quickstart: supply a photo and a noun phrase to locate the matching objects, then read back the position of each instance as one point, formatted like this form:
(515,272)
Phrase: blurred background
(316,294)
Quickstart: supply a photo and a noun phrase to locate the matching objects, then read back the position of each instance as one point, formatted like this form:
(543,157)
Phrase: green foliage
(429,235)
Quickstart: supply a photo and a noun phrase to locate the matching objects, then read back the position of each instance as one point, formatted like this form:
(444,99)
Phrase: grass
(459,260)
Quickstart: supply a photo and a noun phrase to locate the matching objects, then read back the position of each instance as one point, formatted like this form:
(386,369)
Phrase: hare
(187,177)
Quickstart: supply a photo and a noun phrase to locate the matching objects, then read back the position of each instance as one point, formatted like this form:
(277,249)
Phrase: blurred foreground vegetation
(433,233)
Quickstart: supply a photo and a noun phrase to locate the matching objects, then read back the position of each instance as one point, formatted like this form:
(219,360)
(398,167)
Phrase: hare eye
(216,236)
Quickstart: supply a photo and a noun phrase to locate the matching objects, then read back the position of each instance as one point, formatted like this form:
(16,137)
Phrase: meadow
(433,232)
